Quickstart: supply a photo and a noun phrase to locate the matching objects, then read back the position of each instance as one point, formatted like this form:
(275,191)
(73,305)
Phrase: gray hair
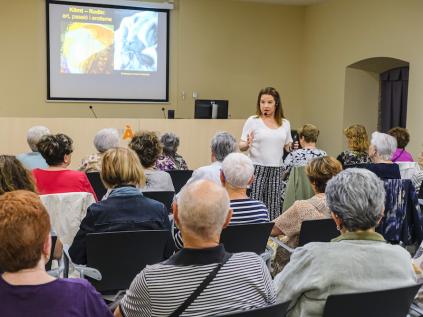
(222,144)
(34,135)
(238,170)
(384,144)
(357,196)
(170,143)
(203,207)
(106,139)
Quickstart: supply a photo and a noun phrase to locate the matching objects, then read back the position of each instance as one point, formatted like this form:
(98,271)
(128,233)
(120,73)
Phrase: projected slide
(107,52)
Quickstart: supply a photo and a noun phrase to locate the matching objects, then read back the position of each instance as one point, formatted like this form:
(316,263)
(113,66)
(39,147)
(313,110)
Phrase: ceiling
(287,2)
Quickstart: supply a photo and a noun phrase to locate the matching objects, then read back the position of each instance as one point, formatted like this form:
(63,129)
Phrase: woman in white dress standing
(266,136)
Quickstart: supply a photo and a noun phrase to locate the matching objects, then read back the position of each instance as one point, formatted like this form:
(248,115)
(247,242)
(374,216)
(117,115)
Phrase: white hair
(34,135)
(238,170)
(203,207)
(384,144)
(106,139)
(222,144)
(357,196)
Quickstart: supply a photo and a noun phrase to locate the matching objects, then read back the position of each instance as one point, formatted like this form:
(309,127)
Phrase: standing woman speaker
(266,136)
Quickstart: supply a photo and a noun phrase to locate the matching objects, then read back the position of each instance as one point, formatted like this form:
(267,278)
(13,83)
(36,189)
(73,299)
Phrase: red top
(62,181)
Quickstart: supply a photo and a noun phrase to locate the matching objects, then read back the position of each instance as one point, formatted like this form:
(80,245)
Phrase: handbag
(201,287)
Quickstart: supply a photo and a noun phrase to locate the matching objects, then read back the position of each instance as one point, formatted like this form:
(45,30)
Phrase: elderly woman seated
(58,178)
(104,139)
(319,171)
(236,175)
(403,137)
(34,159)
(382,147)
(125,207)
(359,260)
(169,159)
(308,135)
(25,287)
(239,281)
(148,148)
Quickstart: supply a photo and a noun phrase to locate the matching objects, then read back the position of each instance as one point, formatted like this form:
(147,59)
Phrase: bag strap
(201,287)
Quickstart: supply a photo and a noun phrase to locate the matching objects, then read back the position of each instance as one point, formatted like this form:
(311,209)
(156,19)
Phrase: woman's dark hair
(14,176)
(402,136)
(54,147)
(147,146)
(278,104)
(170,143)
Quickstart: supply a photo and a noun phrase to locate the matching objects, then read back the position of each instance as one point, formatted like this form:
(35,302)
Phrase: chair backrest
(66,212)
(385,303)
(120,256)
(268,311)
(408,169)
(166,198)
(322,230)
(96,183)
(246,238)
(179,178)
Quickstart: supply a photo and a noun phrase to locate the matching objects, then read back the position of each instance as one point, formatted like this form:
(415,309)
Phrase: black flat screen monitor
(204,109)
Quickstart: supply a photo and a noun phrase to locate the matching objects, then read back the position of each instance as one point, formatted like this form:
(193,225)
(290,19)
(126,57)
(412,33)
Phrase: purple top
(401,155)
(61,297)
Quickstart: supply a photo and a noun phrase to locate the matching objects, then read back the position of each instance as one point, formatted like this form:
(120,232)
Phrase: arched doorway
(362,99)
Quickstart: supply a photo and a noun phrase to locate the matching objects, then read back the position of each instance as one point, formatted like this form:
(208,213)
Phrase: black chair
(164,197)
(120,256)
(246,238)
(268,311)
(179,178)
(322,230)
(96,183)
(385,303)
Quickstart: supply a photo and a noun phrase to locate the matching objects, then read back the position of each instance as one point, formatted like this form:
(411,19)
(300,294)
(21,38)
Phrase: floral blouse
(353,157)
(301,157)
(169,163)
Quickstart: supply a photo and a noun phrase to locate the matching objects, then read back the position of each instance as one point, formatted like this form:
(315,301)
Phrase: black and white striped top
(248,211)
(245,211)
(242,283)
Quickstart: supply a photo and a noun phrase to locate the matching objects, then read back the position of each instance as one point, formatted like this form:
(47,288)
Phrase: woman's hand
(245,145)
(288,147)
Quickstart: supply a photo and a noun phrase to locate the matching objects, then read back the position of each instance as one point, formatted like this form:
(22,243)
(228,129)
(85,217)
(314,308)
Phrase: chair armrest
(83,270)
(281,244)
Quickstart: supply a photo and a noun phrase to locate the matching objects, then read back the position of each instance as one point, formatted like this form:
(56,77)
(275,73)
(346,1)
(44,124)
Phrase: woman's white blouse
(268,144)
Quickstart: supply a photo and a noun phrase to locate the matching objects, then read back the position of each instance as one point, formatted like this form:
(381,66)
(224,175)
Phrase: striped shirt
(248,211)
(242,283)
(244,211)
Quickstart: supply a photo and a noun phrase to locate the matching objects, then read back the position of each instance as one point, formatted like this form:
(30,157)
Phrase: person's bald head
(203,208)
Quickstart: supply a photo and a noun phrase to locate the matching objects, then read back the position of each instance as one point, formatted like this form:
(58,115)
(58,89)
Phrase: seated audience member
(403,137)
(147,146)
(57,178)
(381,148)
(34,159)
(237,174)
(14,176)
(222,144)
(242,280)
(25,287)
(417,178)
(125,208)
(104,139)
(359,260)
(170,160)
(358,145)
(308,138)
(319,171)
